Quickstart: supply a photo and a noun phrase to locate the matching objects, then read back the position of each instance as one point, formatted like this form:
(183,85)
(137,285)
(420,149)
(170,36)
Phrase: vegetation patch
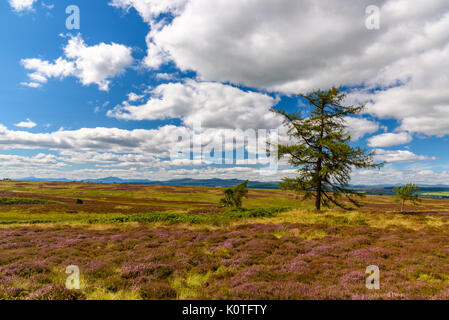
(220,218)
(16,201)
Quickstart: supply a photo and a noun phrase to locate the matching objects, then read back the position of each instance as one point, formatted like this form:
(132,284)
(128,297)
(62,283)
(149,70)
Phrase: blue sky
(108,99)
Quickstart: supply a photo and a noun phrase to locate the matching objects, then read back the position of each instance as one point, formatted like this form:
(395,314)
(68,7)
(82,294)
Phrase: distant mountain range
(384,189)
(177,182)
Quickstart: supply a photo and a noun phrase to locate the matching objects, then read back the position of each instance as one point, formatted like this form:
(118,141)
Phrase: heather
(283,251)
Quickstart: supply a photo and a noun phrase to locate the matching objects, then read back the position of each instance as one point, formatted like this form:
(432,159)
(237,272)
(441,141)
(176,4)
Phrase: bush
(79,201)
(13,201)
(220,218)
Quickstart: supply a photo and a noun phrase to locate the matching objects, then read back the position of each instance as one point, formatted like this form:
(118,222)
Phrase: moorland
(168,242)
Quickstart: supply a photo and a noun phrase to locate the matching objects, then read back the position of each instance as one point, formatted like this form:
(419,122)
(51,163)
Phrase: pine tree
(319,147)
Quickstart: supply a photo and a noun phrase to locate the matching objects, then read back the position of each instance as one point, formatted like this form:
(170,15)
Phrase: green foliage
(221,218)
(321,149)
(233,196)
(79,201)
(13,201)
(408,192)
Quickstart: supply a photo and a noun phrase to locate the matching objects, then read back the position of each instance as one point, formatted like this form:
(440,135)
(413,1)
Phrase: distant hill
(427,191)
(178,182)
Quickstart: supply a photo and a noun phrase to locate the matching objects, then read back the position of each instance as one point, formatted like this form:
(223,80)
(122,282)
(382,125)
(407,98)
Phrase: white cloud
(278,45)
(156,141)
(31,84)
(419,103)
(45,69)
(399,156)
(211,104)
(26,124)
(40,160)
(391,176)
(90,64)
(150,9)
(130,153)
(134,97)
(38,77)
(389,139)
(22,5)
(48,6)
(262,43)
(359,127)
(141,154)
(166,76)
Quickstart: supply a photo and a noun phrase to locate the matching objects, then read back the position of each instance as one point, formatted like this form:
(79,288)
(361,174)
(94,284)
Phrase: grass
(187,288)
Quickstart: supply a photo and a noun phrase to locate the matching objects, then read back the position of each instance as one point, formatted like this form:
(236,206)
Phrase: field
(164,242)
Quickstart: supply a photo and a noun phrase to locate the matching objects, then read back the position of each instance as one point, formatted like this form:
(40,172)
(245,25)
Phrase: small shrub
(27,269)
(114,284)
(408,192)
(79,201)
(157,270)
(157,291)
(15,292)
(57,292)
(233,196)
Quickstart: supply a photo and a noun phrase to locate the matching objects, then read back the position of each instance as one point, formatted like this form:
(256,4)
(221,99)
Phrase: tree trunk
(319,183)
(318,186)
(318,197)
(402,205)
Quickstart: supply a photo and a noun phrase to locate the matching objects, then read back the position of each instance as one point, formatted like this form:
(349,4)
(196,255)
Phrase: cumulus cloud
(95,64)
(399,69)
(150,9)
(40,160)
(389,139)
(213,105)
(45,69)
(418,101)
(359,127)
(26,124)
(261,43)
(128,152)
(391,176)
(399,156)
(156,141)
(22,5)
(166,76)
(132,97)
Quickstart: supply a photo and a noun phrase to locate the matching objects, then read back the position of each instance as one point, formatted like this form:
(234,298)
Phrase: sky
(124,94)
